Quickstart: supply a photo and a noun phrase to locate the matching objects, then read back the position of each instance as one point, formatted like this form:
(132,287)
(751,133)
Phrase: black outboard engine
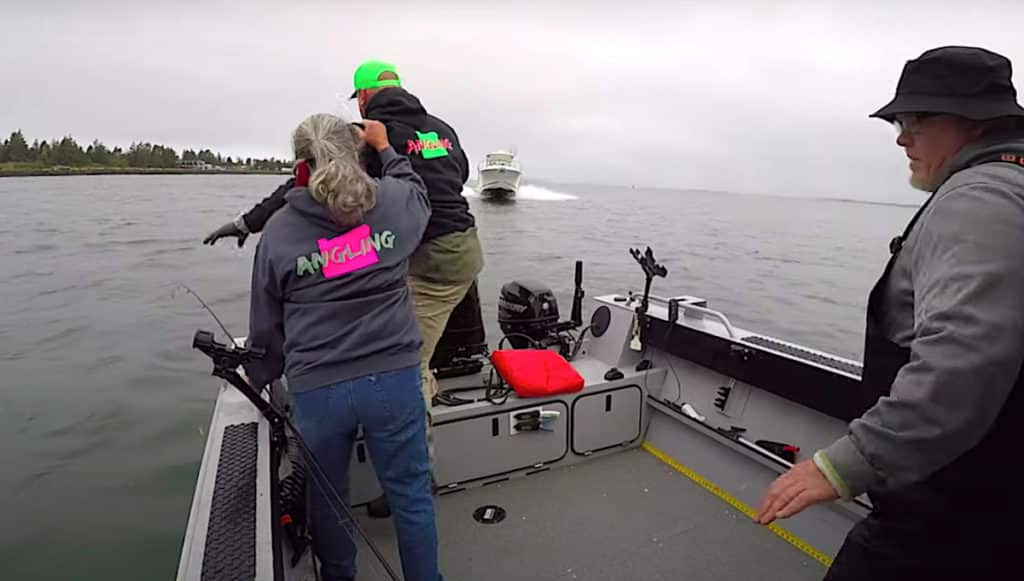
(527,311)
(528,315)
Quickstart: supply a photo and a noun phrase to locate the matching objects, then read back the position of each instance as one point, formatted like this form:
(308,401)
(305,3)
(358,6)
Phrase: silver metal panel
(590,368)
(479,447)
(612,348)
(765,416)
(606,419)
(453,450)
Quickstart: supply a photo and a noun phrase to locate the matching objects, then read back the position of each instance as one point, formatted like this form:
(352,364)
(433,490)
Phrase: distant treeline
(67,152)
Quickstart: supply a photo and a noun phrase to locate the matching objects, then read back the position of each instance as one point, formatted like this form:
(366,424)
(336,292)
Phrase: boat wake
(529,192)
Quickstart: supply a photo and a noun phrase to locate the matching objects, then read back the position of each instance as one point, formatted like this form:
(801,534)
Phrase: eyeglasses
(911,122)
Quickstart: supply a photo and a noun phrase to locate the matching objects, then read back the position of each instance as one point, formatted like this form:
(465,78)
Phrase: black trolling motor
(226,362)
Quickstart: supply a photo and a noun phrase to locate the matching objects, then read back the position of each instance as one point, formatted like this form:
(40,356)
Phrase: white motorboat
(499,175)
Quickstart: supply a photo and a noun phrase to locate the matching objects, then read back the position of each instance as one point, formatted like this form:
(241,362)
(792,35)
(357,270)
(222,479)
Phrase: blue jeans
(391,410)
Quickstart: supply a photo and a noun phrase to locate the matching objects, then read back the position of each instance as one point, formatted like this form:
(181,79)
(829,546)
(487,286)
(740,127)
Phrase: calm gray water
(104,406)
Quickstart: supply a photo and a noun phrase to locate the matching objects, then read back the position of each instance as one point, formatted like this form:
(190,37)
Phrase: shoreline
(53,172)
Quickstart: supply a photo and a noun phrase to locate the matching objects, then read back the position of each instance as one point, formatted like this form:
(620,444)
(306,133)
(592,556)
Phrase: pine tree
(17,147)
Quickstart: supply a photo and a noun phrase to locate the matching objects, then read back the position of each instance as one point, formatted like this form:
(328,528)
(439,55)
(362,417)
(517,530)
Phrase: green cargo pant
(440,273)
(433,303)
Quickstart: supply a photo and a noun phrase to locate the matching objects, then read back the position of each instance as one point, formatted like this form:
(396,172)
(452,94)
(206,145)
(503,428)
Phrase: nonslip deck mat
(230,553)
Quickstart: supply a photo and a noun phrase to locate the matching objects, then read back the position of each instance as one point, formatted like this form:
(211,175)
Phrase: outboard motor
(527,311)
(528,315)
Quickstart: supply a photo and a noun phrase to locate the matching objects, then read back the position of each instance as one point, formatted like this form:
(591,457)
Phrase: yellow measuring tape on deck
(737,504)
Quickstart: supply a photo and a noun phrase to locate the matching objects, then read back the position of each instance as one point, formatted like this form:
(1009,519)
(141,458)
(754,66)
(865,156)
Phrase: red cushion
(536,372)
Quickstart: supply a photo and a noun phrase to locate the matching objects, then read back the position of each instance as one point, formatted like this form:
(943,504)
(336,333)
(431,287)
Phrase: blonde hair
(338,180)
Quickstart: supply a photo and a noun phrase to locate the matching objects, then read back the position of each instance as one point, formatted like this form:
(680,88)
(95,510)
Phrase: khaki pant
(440,273)
(433,302)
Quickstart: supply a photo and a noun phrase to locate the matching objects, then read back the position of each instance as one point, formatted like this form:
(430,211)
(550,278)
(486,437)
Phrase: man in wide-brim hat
(938,453)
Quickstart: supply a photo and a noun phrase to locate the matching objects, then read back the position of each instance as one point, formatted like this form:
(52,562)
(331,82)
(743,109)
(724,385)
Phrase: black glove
(229,229)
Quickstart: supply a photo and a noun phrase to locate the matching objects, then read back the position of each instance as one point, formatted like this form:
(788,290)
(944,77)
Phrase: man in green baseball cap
(444,268)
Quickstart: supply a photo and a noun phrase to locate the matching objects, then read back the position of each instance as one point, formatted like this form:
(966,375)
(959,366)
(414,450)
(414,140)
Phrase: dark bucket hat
(960,80)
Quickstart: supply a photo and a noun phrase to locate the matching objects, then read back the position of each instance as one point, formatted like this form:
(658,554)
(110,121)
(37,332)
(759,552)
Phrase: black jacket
(430,144)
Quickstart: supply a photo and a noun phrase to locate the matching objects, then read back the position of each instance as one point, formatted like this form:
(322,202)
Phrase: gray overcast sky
(765,97)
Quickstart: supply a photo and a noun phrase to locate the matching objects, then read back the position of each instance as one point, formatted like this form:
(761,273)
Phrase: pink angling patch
(349,252)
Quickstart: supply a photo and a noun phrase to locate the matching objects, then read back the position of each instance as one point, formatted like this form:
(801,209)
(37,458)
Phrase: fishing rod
(226,361)
(209,310)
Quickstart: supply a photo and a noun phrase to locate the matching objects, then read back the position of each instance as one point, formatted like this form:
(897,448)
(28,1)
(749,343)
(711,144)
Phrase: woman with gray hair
(331,308)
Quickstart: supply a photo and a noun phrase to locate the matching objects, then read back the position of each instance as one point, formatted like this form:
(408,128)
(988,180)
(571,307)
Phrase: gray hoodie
(330,303)
(955,297)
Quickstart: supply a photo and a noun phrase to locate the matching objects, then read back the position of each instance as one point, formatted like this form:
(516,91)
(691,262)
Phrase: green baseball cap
(368,74)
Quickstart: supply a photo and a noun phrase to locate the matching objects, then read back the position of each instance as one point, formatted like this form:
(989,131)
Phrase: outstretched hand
(802,486)
(229,229)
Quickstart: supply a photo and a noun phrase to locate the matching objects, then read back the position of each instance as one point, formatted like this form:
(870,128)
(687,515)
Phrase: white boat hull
(499,182)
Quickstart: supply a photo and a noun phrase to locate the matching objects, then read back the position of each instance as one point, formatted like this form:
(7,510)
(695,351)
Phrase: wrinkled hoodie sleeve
(266,321)
(968,346)
(406,189)
(256,218)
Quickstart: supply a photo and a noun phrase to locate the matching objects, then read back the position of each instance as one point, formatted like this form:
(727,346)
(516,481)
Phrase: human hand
(375,134)
(802,486)
(229,229)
